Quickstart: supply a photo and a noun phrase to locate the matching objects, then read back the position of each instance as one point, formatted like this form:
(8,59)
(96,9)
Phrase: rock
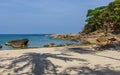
(75,40)
(112,40)
(18,43)
(97,47)
(111,45)
(0,46)
(61,45)
(50,45)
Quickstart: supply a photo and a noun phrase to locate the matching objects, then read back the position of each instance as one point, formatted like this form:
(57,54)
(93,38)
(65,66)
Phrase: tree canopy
(104,18)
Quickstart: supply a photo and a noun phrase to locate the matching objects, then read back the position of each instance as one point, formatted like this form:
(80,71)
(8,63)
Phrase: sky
(45,16)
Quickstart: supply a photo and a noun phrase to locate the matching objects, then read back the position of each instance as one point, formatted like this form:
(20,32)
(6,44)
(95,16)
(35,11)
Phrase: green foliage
(103,16)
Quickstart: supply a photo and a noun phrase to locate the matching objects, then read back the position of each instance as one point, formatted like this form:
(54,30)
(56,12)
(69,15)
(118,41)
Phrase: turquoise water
(35,40)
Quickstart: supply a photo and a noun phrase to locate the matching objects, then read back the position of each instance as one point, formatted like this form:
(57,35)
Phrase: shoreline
(73,46)
(81,39)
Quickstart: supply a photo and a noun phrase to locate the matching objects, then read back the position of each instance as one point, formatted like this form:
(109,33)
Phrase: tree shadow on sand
(85,51)
(39,63)
(81,50)
(97,70)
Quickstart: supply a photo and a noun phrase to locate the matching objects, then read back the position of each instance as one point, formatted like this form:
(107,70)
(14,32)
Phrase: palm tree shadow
(81,50)
(85,51)
(40,65)
(84,70)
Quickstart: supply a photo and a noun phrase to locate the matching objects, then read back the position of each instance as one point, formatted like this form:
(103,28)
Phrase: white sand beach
(59,61)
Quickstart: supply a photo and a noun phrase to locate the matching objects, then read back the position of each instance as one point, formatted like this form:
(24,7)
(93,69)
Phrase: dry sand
(59,61)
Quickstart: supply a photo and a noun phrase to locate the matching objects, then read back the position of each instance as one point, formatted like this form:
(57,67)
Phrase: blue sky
(45,16)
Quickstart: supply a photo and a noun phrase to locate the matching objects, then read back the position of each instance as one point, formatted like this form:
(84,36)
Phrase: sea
(35,40)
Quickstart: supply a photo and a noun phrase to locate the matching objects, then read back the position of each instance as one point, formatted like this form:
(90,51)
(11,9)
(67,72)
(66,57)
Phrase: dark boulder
(18,43)
(0,46)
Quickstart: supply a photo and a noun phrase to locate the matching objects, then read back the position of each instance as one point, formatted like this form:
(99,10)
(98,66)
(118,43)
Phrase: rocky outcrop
(101,40)
(18,43)
(72,37)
